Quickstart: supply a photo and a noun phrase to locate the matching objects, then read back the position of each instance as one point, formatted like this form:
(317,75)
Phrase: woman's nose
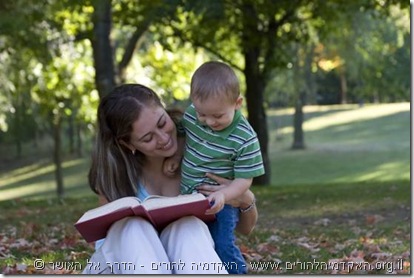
(163,138)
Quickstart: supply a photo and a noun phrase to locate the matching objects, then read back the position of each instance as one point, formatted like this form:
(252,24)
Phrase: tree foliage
(41,69)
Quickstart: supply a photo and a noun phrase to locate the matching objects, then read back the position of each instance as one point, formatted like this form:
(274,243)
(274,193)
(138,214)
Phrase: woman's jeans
(222,231)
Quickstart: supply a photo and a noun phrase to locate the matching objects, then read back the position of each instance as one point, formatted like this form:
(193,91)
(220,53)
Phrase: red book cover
(160,211)
(97,228)
(161,217)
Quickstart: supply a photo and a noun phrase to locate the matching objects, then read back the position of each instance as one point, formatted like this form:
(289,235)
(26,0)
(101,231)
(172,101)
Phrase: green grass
(344,199)
(343,144)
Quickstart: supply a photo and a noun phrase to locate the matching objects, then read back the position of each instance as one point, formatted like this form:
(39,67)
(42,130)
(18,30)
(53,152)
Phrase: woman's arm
(246,204)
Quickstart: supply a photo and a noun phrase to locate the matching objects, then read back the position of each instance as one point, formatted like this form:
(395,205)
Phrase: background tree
(363,55)
(253,36)
(101,44)
(45,54)
(112,55)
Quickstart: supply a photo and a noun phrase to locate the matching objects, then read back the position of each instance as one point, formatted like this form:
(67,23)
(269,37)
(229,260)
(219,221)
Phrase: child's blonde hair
(214,79)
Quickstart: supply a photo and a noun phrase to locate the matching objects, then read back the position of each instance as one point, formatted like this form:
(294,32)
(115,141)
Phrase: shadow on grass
(286,120)
(39,179)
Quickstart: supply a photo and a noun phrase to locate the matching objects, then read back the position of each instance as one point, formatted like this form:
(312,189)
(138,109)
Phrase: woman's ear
(239,102)
(129,146)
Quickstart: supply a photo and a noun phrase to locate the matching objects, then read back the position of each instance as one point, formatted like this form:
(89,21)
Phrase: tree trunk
(344,87)
(257,115)
(79,146)
(102,49)
(57,156)
(298,136)
(255,85)
(17,138)
(134,42)
(307,90)
(71,134)
(16,128)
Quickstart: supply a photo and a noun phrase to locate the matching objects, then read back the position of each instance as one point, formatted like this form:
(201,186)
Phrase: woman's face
(154,134)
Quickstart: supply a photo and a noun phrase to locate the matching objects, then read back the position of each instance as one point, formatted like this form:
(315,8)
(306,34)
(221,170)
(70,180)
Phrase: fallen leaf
(322,222)
(373,219)
(267,248)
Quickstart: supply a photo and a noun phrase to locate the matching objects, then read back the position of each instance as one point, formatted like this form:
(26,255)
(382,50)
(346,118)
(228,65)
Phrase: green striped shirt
(233,152)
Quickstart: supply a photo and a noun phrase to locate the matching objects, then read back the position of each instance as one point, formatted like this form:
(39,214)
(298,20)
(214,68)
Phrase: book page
(122,203)
(154,202)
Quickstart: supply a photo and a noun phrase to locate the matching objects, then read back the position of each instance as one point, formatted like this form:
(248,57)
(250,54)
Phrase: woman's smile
(168,145)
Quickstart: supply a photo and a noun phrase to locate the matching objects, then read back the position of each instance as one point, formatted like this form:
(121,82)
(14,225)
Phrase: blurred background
(326,83)
(326,86)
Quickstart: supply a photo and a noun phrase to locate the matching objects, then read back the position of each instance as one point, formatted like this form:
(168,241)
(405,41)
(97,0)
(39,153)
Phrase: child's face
(215,113)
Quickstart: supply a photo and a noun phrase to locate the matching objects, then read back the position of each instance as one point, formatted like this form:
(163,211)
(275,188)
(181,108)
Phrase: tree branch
(179,34)
(133,43)
(271,40)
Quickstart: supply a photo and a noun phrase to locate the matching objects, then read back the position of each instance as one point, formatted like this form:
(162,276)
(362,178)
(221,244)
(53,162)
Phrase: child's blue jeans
(222,231)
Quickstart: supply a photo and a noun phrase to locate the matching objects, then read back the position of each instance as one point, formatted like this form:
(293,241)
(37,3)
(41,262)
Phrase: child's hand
(217,199)
(171,166)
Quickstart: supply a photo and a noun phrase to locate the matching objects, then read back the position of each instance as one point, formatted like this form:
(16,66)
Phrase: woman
(135,136)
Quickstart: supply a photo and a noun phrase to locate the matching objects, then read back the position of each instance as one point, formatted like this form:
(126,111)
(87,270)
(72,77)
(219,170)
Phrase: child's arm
(234,190)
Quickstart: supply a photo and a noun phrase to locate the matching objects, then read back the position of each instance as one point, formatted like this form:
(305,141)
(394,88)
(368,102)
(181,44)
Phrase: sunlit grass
(343,144)
(350,114)
(384,172)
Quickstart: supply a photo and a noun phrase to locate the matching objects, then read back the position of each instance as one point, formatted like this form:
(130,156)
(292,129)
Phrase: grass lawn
(342,205)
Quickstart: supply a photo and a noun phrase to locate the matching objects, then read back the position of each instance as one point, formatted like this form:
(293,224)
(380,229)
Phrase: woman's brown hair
(115,170)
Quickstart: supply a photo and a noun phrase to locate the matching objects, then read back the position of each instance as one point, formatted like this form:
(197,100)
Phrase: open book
(159,210)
